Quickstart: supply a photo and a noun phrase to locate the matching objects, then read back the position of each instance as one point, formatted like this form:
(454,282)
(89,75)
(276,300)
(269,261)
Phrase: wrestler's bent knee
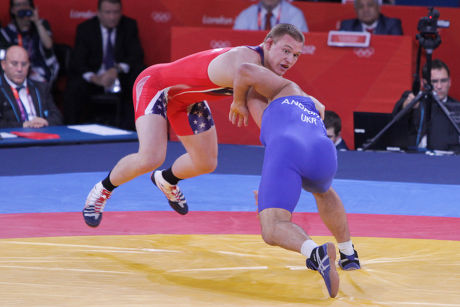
(149,163)
(267,235)
(267,226)
(208,165)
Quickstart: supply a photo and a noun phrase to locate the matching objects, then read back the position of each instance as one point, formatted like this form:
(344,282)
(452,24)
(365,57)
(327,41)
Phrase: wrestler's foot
(349,263)
(94,206)
(172,192)
(322,259)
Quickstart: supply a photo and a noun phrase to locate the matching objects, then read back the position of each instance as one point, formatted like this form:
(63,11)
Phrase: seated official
(368,18)
(106,58)
(23,102)
(435,132)
(333,125)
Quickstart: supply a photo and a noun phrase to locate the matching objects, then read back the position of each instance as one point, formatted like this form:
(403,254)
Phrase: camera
(428,30)
(25,13)
(430,23)
(429,39)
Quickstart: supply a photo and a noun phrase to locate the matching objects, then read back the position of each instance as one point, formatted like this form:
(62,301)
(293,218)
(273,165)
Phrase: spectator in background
(23,102)
(107,51)
(442,135)
(268,13)
(333,125)
(371,20)
(26,29)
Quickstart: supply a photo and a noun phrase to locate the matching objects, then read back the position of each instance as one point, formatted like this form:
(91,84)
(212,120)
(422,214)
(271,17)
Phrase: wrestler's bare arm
(256,104)
(222,69)
(265,82)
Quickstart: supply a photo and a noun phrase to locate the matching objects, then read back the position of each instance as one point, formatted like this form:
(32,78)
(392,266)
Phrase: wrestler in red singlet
(182,88)
(189,76)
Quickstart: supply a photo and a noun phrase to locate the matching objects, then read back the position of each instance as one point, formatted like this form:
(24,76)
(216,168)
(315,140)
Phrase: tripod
(429,41)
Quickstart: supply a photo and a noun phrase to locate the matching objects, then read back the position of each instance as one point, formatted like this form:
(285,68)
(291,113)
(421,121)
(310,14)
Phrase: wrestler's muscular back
(223,68)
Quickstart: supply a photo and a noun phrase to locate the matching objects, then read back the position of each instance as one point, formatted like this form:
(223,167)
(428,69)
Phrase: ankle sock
(169,176)
(107,184)
(346,248)
(307,247)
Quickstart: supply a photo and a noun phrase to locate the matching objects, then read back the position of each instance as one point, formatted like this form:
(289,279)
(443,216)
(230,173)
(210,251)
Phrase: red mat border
(28,225)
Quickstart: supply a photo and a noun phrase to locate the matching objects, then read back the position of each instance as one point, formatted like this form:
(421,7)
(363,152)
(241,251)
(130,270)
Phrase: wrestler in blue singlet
(298,153)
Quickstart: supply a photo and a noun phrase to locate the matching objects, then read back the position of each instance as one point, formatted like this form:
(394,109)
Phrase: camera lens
(25,13)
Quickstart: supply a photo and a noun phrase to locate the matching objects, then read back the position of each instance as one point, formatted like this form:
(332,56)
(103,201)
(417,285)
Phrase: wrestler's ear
(269,43)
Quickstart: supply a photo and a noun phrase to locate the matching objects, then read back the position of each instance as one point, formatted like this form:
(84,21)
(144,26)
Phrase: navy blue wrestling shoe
(94,206)
(349,263)
(322,259)
(172,192)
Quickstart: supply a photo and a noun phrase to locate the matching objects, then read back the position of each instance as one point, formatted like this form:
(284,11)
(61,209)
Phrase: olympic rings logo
(364,52)
(161,17)
(219,44)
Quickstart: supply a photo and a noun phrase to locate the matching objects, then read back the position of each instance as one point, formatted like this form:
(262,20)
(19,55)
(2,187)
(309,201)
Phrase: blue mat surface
(58,179)
(222,192)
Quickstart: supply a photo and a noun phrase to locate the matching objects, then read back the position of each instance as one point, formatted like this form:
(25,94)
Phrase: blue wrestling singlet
(298,153)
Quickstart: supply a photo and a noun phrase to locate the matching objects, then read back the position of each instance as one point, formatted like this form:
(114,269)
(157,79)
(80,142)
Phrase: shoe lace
(321,264)
(315,262)
(172,192)
(98,200)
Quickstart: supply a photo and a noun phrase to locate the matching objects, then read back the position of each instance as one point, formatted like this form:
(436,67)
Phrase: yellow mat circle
(219,270)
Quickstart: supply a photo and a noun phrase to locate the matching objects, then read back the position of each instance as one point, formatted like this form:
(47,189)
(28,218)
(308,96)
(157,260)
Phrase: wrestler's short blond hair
(284,28)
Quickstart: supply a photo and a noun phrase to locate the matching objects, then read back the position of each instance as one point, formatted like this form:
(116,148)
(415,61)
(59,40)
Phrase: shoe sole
(350,267)
(90,223)
(333,274)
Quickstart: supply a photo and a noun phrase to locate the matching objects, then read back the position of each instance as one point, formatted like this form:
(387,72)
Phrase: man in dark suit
(371,20)
(23,102)
(428,125)
(333,125)
(107,55)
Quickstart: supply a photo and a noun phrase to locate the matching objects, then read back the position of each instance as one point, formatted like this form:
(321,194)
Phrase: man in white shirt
(268,13)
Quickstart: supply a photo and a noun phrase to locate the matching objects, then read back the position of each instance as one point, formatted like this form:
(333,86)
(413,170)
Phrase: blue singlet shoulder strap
(259,50)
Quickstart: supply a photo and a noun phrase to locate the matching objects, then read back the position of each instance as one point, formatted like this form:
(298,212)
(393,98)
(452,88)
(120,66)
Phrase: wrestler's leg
(317,178)
(153,137)
(332,212)
(278,229)
(201,155)
(151,130)
(279,192)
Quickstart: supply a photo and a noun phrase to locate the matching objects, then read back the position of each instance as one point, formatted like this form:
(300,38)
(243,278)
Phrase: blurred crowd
(100,68)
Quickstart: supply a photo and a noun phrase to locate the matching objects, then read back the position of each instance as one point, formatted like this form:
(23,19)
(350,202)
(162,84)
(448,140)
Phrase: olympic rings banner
(157,17)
